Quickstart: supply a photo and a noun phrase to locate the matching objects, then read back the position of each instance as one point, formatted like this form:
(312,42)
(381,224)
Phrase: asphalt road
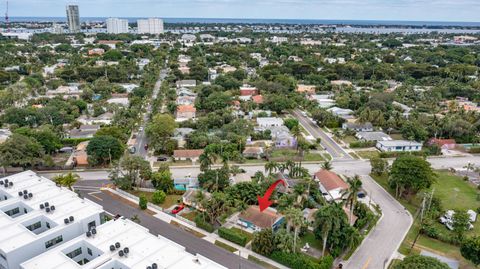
(327,142)
(192,243)
(142,139)
(383,241)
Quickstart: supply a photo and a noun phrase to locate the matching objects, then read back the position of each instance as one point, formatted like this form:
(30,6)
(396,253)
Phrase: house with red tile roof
(331,185)
(443,143)
(185,112)
(257,99)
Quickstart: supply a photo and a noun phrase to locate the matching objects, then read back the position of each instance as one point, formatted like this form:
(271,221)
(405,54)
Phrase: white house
(269,121)
(36,215)
(399,145)
(119,244)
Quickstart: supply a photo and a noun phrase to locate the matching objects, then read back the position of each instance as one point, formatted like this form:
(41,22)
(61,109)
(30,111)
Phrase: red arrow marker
(264,202)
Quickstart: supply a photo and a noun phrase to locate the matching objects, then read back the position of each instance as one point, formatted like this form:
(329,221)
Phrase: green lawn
(225,246)
(456,194)
(246,234)
(170,200)
(190,215)
(397,136)
(292,154)
(349,139)
(261,263)
(368,154)
(309,238)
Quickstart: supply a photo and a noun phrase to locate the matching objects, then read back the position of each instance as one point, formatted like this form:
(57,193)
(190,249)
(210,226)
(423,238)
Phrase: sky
(416,10)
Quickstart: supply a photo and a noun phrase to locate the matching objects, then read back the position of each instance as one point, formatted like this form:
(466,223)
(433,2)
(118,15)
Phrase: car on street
(162,159)
(177,209)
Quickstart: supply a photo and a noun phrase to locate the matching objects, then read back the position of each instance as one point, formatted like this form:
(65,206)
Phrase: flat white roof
(67,203)
(399,143)
(144,250)
(269,120)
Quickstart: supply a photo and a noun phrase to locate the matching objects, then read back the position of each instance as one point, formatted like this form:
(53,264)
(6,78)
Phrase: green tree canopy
(418,261)
(410,174)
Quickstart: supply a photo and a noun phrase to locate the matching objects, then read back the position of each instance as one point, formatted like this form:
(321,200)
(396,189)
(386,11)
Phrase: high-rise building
(150,26)
(73,18)
(117,26)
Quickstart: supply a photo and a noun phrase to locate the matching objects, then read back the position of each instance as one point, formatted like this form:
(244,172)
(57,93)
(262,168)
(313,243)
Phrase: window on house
(53,241)
(33,227)
(75,253)
(13,212)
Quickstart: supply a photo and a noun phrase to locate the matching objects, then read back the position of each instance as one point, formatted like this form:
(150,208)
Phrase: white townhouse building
(36,215)
(119,244)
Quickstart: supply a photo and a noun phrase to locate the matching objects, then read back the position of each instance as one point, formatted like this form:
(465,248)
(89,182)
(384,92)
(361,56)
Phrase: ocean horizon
(268,21)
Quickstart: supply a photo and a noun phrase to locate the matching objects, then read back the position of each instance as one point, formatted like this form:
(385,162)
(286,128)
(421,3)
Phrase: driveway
(193,244)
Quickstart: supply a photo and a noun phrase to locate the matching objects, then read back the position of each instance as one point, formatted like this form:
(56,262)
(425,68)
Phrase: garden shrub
(233,236)
(300,261)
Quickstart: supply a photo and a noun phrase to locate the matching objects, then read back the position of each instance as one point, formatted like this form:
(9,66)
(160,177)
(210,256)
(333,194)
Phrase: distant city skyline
(416,10)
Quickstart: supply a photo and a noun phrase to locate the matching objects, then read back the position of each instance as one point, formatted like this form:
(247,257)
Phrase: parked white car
(447,219)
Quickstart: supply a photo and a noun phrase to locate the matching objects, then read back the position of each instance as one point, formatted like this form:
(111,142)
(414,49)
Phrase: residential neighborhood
(225,144)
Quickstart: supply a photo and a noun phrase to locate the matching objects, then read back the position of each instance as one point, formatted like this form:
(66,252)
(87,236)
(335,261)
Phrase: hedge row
(362,144)
(204,225)
(474,150)
(299,261)
(72,142)
(394,154)
(233,236)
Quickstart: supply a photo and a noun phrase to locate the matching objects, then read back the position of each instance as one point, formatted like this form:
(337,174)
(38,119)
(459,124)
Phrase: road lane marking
(94,196)
(365,266)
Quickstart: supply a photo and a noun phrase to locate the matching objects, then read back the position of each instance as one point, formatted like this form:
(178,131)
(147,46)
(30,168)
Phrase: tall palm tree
(207,159)
(328,219)
(270,167)
(354,186)
(67,180)
(296,132)
(295,219)
(290,165)
(327,165)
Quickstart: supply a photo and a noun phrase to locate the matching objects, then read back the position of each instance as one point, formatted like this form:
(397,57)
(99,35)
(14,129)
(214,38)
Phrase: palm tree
(296,132)
(295,219)
(327,165)
(290,165)
(271,166)
(354,186)
(67,180)
(207,159)
(328,219)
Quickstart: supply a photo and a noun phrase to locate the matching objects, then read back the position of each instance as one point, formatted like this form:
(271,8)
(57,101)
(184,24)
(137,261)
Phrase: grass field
(291,154)
(170,200)
(260,262)
(455,194)
(225,246)
(247,234)
(368,154)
